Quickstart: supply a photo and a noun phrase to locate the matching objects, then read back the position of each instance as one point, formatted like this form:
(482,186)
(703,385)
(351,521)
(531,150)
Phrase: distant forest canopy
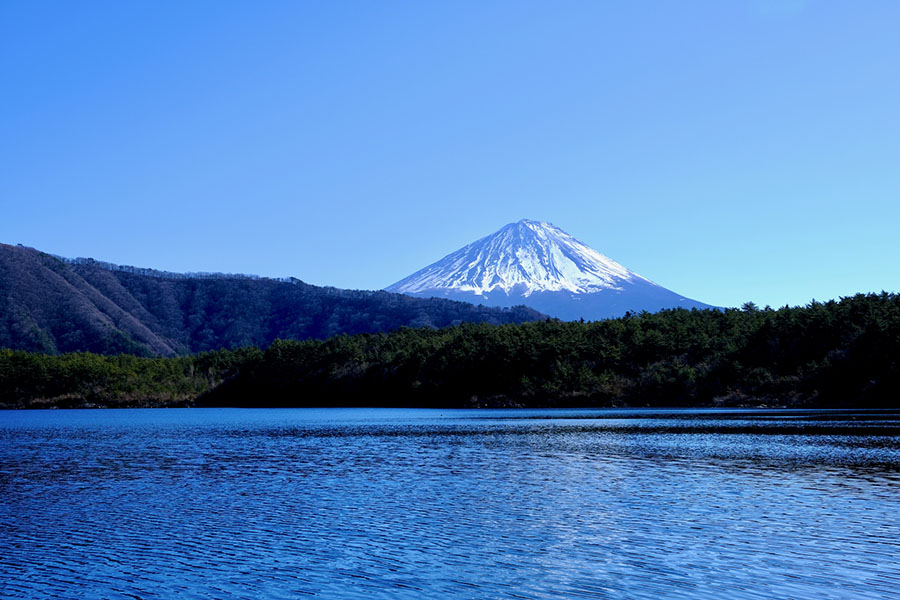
(54,305)
(163,274)
(835,354)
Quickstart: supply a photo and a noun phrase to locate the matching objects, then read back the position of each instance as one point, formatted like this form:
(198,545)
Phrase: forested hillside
(52,305)
(844,353)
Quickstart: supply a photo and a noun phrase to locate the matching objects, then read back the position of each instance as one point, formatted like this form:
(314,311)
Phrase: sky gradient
(729,151)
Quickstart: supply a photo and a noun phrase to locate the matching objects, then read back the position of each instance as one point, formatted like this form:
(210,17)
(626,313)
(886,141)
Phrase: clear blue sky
(730,151)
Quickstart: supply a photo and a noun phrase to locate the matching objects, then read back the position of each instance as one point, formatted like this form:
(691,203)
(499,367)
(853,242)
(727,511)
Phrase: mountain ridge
(52,305)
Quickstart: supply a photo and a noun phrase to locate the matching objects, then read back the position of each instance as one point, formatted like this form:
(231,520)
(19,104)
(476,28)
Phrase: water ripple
(473,504)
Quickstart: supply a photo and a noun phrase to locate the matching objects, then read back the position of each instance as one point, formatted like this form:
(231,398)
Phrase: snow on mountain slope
(534,255)
(540,265)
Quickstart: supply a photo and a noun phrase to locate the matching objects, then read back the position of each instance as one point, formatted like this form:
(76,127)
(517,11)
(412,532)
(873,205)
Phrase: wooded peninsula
(842,353)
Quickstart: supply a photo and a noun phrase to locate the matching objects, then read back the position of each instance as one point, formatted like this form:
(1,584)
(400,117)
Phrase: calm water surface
(383,503)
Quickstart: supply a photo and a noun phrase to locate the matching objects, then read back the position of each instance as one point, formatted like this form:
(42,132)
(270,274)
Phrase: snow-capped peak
(528,257)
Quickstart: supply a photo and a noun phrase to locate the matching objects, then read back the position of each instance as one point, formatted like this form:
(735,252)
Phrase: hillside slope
(49,304)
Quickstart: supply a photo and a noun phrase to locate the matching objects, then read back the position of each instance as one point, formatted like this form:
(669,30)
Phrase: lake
(396,503)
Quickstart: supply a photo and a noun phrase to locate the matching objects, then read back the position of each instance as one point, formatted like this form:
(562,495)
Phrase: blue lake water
(393,503)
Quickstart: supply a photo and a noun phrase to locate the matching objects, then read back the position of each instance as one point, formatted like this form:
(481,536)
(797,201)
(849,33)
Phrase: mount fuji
(538,264)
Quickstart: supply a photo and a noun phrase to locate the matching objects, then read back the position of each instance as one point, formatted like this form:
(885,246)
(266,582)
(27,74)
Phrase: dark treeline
(83,379)
(844,353)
